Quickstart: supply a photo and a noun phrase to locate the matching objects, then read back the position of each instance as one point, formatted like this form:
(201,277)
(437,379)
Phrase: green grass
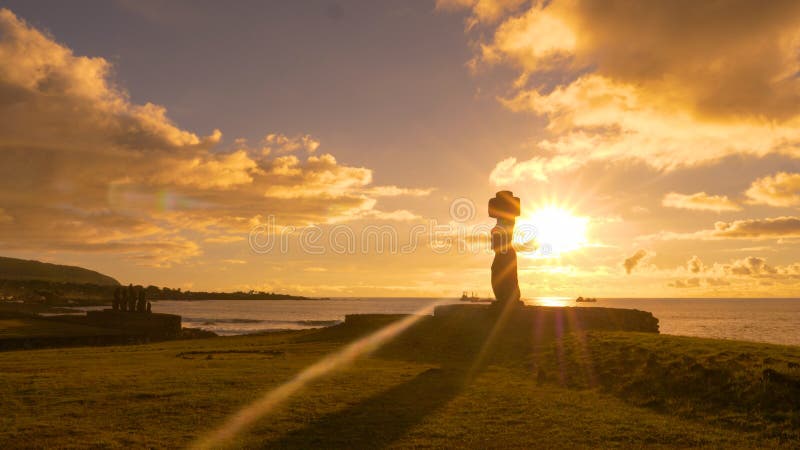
(425,389)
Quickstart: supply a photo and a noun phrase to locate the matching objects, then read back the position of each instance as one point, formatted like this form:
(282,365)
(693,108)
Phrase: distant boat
(586,300)
(474,298)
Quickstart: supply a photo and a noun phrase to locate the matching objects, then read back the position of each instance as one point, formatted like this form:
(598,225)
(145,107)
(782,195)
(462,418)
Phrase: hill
(21,269)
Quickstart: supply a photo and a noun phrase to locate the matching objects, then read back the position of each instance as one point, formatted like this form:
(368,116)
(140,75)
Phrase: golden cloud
(700,201)
(317,176)
(753,229)
(394,191)
(781,189)
(278,143)
(695,265)
(634,260)
(84,169)
(752,265)
(777,227)
(683,284)
(510,170)
(234,261)
(670,84)
(740,271)
(483,10)
(224,239)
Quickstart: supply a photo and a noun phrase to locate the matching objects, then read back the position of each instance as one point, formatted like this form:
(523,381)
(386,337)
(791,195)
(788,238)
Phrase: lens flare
(551,301)
(248,415)
(129,198)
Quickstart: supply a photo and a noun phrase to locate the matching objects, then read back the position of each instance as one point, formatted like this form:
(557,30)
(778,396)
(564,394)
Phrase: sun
(550,231)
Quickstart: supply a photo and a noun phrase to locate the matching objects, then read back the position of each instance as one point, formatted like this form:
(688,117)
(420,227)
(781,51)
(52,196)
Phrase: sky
(349,148)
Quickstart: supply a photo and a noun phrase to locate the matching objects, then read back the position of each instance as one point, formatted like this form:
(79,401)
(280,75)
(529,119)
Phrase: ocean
(759,320)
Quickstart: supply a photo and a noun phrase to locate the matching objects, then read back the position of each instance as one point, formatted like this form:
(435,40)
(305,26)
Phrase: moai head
(504,206)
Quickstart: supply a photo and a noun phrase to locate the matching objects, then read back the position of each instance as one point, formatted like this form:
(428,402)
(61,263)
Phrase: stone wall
(153,325)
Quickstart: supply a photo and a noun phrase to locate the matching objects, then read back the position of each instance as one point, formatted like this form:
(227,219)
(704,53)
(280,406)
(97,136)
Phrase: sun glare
(549,301)
(550,231)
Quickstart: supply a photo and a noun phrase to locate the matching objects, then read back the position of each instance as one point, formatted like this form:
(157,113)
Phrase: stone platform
(152,325)
(553,318)
(107,327)
(470,332)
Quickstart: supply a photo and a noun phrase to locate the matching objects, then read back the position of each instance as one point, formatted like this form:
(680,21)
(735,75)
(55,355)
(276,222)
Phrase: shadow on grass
(379,420)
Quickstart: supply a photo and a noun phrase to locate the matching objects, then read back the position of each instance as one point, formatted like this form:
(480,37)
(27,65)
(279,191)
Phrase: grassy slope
(599,389)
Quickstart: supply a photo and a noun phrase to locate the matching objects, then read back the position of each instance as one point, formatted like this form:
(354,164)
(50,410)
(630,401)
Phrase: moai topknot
(505,208)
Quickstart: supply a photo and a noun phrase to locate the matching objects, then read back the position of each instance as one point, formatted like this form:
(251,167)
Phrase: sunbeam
(584,356)
(503,317)
(248,415)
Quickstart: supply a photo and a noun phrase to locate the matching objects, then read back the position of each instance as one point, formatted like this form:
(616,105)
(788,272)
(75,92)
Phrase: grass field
(428,388)
(28,327)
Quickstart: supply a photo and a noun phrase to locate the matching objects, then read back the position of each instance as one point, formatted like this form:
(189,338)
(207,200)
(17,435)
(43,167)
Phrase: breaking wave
(236,326)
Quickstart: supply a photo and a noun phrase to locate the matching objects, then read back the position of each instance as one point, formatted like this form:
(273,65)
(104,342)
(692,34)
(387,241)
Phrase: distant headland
(41,285)
(23,269)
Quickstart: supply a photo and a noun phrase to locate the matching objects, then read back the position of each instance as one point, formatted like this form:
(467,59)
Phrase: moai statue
(131,298)
(141,304)
(117,294)
(123,299)
(505,208)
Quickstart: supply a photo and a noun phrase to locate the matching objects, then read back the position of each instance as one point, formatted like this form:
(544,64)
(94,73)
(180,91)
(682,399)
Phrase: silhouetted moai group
(130,299)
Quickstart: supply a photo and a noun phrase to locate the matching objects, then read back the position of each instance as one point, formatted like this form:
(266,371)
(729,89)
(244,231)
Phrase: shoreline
(762,320)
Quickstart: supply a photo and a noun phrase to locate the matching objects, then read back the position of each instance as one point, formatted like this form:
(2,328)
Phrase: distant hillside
(20,269)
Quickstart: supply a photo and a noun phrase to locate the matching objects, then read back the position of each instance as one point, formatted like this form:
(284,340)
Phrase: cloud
(224,239)
(670,84)
(781,189)
(740,272)
(483,10)
(234,261)
(509,171)
(277,143)
(597,118)
(770,228)
(632,261)
(317,176)
(700,201)
(753,229)
(717,282)
(83,169)
(539,39)
(752,265)
(400,215)
(210,171)
(695,265)
(689,283)
(394,191)
(729,58)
